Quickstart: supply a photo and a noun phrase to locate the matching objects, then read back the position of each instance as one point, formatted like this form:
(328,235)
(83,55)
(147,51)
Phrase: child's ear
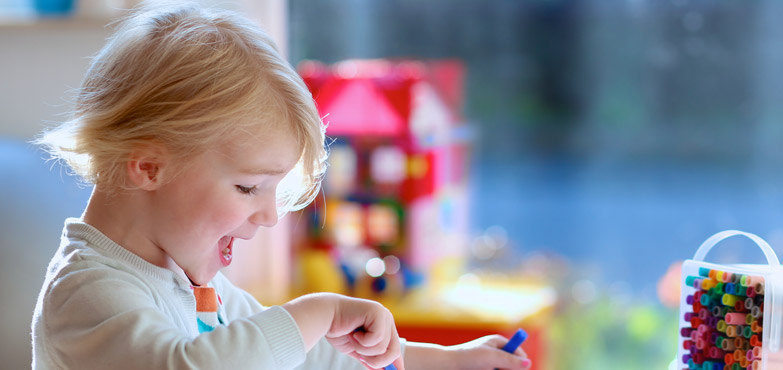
(146,166)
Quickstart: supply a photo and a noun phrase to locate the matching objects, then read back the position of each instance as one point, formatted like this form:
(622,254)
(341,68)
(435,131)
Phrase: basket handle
(772,258)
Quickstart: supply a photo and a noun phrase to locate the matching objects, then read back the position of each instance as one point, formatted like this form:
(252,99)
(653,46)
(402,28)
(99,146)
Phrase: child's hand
(365,330)
(357,327)
(486,353)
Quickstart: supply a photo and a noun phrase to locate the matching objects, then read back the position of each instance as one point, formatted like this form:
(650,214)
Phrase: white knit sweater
(103,307)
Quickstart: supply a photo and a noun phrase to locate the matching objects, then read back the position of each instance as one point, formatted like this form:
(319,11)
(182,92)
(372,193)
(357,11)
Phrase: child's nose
(266,218)
(266,213)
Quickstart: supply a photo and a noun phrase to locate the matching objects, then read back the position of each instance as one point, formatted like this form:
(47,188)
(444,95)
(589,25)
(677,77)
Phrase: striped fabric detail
(208,304)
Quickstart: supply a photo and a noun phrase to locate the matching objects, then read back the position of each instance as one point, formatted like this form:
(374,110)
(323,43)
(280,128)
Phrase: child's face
(227,193)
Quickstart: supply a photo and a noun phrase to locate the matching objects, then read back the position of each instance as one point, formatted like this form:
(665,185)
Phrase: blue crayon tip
(515,341)
(390,367)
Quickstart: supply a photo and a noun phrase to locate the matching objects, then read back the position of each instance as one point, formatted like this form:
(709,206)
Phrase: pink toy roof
(386,98)
(358,107)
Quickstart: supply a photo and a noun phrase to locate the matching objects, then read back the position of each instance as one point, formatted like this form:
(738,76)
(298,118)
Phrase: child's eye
(247,190)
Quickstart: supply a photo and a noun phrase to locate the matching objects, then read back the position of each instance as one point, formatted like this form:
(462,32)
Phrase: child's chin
(202,278)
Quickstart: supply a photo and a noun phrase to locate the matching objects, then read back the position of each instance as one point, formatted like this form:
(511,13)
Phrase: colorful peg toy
(724,321)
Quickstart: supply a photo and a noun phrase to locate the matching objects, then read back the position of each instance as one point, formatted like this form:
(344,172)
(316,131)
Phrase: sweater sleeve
(98,318)
(240,303)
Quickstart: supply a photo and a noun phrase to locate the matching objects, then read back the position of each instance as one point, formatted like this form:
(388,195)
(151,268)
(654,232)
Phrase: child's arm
(93,315)
(360,328)
(482,353)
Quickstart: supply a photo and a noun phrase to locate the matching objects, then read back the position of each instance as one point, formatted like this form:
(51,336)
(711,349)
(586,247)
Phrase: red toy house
(395,195)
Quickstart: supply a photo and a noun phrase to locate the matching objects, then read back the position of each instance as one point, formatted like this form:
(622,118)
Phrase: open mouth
(225,246)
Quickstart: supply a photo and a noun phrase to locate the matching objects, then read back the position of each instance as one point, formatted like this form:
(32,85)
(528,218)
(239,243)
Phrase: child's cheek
(228,217)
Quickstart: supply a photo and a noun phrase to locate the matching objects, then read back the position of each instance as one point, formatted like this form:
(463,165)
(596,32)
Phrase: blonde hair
(187,77)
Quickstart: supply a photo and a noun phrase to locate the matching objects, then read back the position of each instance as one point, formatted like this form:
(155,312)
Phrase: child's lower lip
(225,258)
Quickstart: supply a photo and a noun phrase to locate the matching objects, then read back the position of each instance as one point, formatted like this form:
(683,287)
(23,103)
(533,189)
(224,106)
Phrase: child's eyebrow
(263,171)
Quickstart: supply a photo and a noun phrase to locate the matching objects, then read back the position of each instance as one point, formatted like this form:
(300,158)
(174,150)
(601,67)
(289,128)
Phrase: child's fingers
(520,352)
(379,347)
(495,340)
(516,360)
(376,335)
(361,360)
(382,357)
(347,344)
(512,362)
(399,363)
(344,344)
(372,336)
(497,358)
(377,362)
(368,367)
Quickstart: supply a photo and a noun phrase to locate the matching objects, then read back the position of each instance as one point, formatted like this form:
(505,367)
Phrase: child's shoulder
(87,259)
(82,287)
(79,269)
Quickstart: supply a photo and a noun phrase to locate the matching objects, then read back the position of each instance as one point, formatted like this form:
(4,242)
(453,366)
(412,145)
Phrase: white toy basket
(730,315)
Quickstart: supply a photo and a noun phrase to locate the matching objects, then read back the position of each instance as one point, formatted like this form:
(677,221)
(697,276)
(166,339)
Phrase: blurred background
(598,144)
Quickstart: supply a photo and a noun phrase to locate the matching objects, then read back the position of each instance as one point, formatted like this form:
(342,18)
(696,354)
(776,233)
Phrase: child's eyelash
(247,190)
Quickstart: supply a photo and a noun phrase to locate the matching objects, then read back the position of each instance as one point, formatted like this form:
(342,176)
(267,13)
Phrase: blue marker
(515,341)
(390,367)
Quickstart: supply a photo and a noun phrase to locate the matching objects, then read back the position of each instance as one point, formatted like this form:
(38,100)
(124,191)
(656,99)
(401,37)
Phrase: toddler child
(196,132)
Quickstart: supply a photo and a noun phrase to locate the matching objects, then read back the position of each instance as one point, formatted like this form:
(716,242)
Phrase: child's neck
(121,218)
